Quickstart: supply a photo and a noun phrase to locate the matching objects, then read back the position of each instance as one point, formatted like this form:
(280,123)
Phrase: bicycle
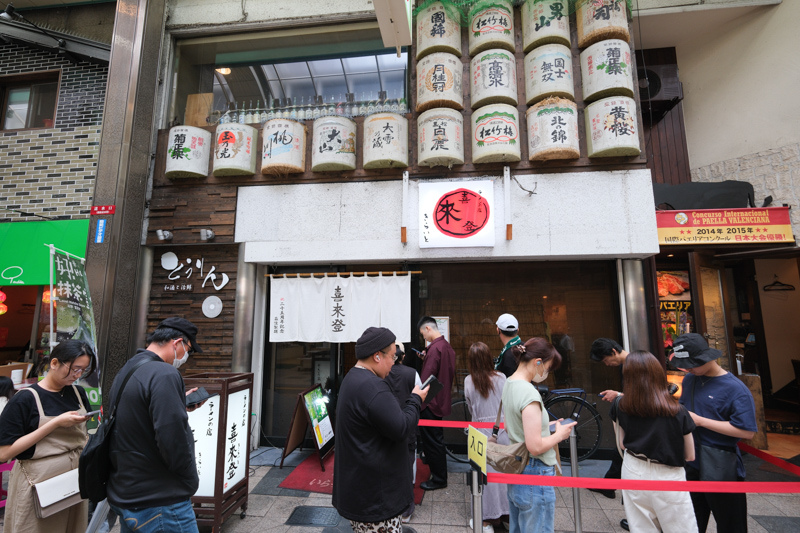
(560,403)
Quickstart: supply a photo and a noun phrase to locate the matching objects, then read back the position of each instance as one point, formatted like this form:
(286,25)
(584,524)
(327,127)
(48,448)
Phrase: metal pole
(52,298)
(573,462)
(477,503)
(98,517)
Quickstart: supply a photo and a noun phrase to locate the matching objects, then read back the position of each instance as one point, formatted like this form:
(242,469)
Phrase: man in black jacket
(153,473)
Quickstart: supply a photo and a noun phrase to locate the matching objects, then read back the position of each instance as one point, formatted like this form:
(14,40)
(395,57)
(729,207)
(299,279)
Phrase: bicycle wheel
(588,430)
(455,439)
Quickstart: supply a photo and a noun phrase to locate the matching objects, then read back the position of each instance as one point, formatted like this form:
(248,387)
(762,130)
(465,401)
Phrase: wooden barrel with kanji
(493,75)
(553,130)
(333,144)
(440,138)
(601,20)
(491,25)
(385,141)
(544,22)
(283,147)
(606,70)
(495,134)
(439,79)
(438,29)
(611,127)
(235,150)
(548,72)
(188,150)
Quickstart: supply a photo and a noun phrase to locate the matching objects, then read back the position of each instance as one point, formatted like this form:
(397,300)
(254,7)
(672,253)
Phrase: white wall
(216,12)
(571,216)
(780,311)
(740,72)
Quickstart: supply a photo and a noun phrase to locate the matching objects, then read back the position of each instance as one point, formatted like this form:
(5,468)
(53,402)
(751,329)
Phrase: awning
(24,258)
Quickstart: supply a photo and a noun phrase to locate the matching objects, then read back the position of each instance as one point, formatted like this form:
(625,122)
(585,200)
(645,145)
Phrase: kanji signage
(725,226)
(456,214)
(103,209)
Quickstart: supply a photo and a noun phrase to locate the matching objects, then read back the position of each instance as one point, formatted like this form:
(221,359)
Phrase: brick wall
(50,171)
(774,172)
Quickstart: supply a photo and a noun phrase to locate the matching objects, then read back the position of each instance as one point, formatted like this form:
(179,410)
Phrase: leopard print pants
(392,525)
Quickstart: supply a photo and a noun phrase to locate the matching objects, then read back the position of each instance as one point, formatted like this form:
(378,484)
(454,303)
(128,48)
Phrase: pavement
(448,510)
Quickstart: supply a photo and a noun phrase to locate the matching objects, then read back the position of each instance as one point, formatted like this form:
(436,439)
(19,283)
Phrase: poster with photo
(675,304)
(673,285)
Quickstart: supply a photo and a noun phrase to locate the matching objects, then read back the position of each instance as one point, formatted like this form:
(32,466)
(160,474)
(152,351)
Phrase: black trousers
(615,470)
(730,510)
(433,446)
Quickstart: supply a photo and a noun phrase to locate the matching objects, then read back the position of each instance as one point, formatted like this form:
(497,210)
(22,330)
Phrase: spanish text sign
(478,443)
(725,226)
(456,214)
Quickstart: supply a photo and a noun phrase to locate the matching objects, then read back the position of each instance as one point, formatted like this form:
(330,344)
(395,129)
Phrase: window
(29,101)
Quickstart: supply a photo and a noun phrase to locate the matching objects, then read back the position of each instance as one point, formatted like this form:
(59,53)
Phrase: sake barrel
(440,138)
(493,75)
(544,22)
(235,150)
(333,144)
(188,150)
(283,148)
(548,72)
(491,26)
(611,128)
(606,70)
(385,141)
(600,20)
(495,134)
(439,82)
(438,30)
(553,130)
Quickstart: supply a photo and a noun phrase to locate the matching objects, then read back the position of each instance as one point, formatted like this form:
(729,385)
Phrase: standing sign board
(456,214)
(311,410)
(221,429)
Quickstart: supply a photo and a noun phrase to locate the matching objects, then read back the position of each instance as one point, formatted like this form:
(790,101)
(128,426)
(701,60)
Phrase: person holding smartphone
(43,427)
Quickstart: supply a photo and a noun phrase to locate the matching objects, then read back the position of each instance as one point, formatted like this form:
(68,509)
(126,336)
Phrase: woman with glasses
(43,427)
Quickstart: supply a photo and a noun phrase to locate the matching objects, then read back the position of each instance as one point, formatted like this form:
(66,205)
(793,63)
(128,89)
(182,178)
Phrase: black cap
(691,350)
(185,327)
(373,340)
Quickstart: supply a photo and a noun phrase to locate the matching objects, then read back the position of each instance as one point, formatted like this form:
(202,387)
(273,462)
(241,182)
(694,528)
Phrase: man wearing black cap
(370,472)
(723,409)
(153,473)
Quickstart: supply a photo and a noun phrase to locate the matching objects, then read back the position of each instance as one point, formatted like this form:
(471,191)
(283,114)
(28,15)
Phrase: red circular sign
(461,213)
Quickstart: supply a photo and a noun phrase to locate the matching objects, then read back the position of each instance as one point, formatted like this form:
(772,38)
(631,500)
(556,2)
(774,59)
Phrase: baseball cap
(185,327)
(691,350)
(507,322)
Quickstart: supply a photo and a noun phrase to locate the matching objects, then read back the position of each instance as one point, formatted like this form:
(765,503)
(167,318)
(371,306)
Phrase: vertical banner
(74,314)
(236,439)
(456,214)
(204,423)
(338,309)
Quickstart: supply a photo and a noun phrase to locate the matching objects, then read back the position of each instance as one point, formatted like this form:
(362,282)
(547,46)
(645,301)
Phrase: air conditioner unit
(659,89)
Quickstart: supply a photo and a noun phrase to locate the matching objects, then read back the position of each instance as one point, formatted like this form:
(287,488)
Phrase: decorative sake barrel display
(606,70)
(283,147)
(544,22)
(385,141)
(611,127)
(439,82)
(440,138)
(495,134)
(333,144)
(494,78)
(188,150)
(548,72)
(553,130)
(491,26)
(438,30)
(235,150)
(600,20)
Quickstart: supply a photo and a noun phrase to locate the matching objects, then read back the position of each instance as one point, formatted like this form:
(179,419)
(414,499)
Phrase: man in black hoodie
(153,473)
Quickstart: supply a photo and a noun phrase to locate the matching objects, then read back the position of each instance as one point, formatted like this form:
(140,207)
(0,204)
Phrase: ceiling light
(164,235)
(224,71)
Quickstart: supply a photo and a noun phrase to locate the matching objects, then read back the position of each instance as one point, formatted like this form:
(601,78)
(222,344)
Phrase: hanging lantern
(2,297)
(46,297)
(3,309)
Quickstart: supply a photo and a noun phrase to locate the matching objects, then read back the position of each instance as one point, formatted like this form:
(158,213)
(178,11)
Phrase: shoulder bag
(715,464)
(95,461)
(506,458)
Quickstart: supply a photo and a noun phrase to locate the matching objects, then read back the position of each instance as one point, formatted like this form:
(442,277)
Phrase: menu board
(204,423)
(318,414)
(675,301)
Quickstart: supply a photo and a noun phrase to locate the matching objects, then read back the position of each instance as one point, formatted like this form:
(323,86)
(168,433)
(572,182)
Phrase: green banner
(24,260)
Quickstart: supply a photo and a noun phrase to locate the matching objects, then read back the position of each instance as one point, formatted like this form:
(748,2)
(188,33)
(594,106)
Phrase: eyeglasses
(80,372)
(394,356)
(187,347)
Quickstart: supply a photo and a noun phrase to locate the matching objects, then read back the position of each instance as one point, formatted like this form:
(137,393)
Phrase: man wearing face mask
(153,473)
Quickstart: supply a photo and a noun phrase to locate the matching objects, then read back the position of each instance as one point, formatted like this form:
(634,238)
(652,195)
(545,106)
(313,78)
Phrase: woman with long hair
(6,391)
(656,436)
(44,428)
(483,388)
(532,507)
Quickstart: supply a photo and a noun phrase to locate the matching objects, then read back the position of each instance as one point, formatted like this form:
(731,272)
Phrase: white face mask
(178,362)
(538,379)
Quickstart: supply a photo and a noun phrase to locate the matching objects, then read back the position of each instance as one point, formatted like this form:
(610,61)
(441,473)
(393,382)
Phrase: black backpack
(95,461)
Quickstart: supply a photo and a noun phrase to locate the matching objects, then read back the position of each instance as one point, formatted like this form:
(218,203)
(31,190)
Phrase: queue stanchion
(476,451)
(573,463)
(477,501)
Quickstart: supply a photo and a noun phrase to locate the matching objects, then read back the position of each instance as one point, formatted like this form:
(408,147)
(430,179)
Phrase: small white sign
(204,423)
(456,214)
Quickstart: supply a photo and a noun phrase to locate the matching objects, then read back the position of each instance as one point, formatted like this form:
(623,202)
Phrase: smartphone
(92,414)
(601,394)
(563,422)
(436,387)
(415,350)
(198,397)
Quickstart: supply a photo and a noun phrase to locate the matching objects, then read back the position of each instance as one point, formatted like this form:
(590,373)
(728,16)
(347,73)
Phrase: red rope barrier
(777,461)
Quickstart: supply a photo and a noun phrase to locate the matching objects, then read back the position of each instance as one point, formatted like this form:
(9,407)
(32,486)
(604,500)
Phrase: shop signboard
(675,301)
(24,258)
(456,214)
(757,225)
(203,422)
(236,439)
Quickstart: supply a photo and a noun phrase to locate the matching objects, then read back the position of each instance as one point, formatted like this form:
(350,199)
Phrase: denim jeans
(176,518)
(532,508)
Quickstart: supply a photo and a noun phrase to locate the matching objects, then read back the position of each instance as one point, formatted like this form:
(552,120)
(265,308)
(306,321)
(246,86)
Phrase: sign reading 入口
(759,225)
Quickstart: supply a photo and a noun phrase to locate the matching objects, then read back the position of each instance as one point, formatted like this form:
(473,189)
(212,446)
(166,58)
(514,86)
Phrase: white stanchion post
(573,463)
(477,502)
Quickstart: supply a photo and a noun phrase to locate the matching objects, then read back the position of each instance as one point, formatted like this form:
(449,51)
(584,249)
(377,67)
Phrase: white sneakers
(488,528)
